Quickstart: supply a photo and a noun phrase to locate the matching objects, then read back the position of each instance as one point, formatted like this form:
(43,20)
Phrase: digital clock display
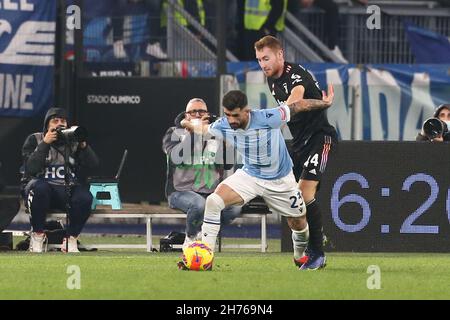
(386,197)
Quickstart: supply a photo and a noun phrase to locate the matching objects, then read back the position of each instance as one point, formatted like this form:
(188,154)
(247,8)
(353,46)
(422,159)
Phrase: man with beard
(44,179)
(267,170)
(314,139)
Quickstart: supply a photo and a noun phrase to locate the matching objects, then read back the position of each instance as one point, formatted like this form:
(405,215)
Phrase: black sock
(314,217)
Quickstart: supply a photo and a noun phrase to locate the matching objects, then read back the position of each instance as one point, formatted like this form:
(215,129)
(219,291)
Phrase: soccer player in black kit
(313,136)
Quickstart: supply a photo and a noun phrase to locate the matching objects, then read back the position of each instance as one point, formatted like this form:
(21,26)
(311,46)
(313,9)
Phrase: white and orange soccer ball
(198,256)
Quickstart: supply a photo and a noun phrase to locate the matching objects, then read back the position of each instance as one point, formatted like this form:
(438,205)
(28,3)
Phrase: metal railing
(192,44)
(385,45)
(184,34)
(189,47)
(302,50)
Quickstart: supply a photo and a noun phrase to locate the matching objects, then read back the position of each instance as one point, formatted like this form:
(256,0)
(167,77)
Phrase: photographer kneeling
(438,127)
(44,179)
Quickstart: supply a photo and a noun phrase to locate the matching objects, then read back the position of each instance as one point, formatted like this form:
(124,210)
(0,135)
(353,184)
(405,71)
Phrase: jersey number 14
(312,159)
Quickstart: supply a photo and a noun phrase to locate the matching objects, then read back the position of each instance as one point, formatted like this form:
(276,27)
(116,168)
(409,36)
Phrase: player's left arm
(296,103)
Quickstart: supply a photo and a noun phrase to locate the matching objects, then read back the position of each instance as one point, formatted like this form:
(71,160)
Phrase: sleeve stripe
(285,113)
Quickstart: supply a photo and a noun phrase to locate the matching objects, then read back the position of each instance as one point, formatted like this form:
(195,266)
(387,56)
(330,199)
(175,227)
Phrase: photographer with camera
(45,184)
(194,169)
(438,127)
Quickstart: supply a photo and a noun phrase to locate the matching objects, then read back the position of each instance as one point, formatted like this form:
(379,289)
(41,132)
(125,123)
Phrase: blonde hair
(269,42)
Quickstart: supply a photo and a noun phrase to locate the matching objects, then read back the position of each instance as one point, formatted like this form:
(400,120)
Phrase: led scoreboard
(386,197)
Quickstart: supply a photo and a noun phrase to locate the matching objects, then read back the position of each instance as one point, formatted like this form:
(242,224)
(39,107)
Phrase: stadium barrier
(150,212)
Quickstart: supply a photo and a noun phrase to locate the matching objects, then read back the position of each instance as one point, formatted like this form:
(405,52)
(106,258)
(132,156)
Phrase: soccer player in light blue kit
(267,170)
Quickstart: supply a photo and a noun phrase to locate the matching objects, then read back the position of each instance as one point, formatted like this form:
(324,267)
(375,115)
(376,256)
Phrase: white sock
(209,234)
(300,241)
(211,221)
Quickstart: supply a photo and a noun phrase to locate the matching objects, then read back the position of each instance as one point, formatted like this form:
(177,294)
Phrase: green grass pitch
(128,274)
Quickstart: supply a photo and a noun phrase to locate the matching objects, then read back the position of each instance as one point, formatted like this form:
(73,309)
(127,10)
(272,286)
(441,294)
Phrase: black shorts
(311,162)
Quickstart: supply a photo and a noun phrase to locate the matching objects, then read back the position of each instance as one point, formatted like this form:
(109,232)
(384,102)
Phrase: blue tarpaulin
(427,46)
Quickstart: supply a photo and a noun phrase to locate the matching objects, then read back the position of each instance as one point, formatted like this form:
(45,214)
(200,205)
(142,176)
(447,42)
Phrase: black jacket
(41,159)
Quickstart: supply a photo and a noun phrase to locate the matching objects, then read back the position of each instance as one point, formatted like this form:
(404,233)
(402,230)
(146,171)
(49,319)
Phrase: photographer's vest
(257,12)
(198,171)
(54,163)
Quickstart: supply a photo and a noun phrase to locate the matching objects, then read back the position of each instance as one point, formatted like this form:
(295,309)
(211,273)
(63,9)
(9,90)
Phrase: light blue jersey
(261,144)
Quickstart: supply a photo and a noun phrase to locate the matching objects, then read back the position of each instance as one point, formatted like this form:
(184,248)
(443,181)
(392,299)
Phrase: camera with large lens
(72,134)
(434,127)
(213,118)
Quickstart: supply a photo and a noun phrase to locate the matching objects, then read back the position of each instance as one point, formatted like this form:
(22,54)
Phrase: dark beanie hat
(54,113)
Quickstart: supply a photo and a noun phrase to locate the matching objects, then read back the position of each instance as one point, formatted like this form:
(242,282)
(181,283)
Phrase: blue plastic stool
(112,189)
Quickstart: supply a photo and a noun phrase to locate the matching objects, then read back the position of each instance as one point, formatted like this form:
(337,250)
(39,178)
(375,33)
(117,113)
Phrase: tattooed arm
(296,103)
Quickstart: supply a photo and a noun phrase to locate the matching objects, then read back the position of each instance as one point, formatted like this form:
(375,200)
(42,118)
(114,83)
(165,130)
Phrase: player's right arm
(297,104)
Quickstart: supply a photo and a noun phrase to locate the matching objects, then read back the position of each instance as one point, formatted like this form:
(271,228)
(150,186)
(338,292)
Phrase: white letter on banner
(256,87)
(339,114)
(382,83)
(26,92)
(421,105)
(8,5)
(25,6)
(33,44)
(12,90)
(355,92)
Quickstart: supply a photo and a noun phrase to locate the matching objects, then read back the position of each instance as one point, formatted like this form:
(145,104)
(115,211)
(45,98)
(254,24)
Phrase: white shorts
(281,195)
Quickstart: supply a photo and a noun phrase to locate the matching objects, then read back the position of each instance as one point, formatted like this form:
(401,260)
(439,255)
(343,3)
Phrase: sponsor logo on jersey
(317,85)
(296,78)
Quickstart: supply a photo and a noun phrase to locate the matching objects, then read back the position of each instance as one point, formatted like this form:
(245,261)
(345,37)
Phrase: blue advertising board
(27,46)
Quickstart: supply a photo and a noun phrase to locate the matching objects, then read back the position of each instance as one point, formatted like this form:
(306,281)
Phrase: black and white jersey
(303,125)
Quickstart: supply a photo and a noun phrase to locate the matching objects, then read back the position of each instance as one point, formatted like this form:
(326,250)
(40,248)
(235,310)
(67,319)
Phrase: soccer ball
(198,256)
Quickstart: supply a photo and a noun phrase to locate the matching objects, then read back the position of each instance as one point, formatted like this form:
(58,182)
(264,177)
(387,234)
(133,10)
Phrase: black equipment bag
(172,242)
